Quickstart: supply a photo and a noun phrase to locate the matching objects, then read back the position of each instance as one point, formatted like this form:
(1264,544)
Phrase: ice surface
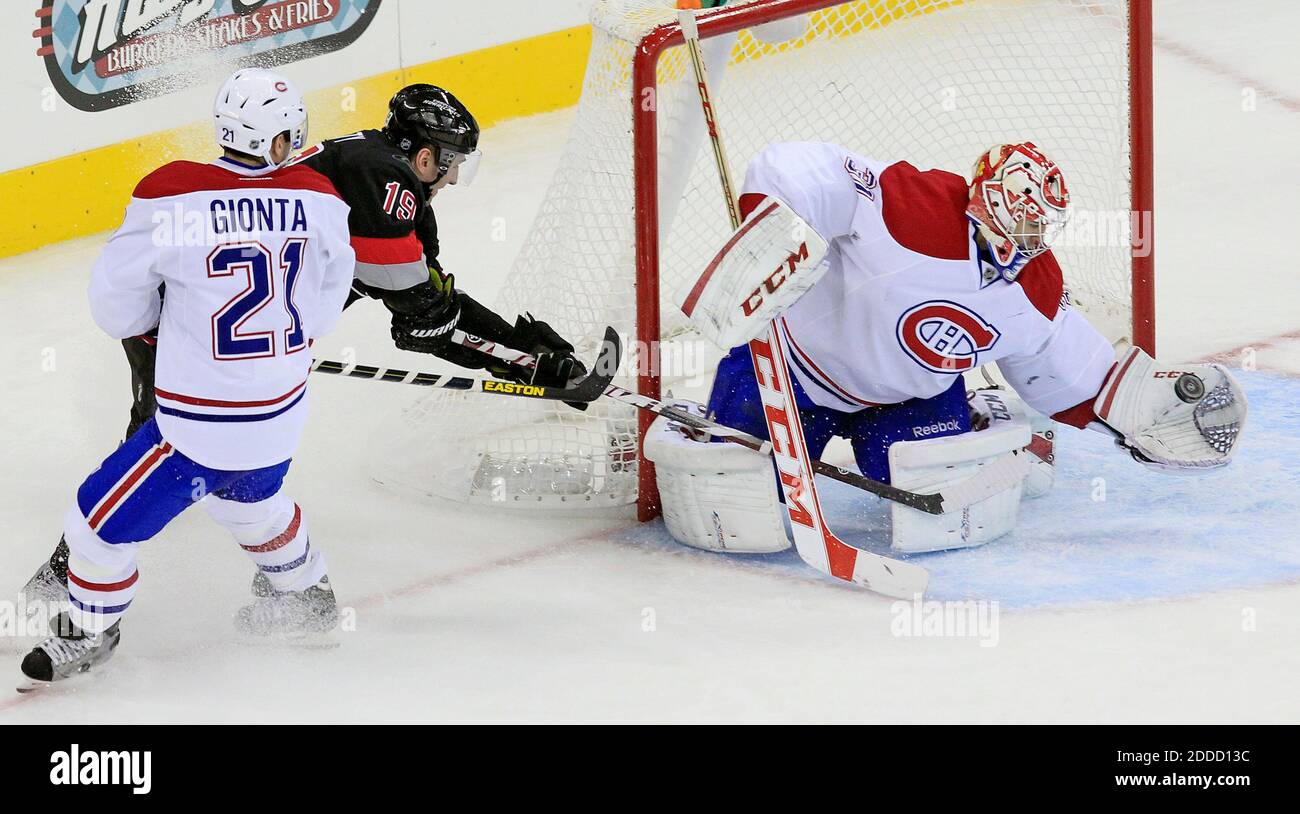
(1175,599)
(1112,531)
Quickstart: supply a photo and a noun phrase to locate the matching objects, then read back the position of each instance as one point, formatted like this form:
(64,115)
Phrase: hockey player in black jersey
(429,141)
(388,177)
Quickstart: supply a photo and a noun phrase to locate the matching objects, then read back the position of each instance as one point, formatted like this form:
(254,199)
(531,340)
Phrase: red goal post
(729,20)
(633,211)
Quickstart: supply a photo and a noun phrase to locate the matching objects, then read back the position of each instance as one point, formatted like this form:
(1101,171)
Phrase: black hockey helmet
(427,116)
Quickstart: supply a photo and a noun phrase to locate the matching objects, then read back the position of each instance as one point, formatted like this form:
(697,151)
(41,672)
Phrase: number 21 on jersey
(254,264)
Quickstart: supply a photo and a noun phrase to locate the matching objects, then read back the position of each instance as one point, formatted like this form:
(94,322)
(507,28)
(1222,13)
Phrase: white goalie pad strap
(719,497)
(1185,417)
(995,407)
(930,465)
(767,265)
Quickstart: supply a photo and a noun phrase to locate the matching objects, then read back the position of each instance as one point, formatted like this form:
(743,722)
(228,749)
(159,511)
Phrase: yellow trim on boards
(84,193)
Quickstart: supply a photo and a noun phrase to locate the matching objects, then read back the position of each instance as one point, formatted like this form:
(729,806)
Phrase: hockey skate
(289,614)
(69,652)
(50,582)
(262,586)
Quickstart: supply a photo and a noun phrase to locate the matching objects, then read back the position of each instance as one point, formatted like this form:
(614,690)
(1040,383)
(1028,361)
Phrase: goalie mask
(1019,203)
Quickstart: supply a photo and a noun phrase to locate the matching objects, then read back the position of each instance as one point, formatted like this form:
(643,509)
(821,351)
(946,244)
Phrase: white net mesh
(928,81)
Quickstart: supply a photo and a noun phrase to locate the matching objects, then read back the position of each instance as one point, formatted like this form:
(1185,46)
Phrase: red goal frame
(646,167)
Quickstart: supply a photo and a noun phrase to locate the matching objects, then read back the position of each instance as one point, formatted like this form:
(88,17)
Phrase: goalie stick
(589,388)
(816,543)
(991,479)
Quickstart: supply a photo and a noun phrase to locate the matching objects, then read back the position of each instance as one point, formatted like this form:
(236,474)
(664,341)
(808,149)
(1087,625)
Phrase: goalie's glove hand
(1187,417)
(556,365)
(425,316)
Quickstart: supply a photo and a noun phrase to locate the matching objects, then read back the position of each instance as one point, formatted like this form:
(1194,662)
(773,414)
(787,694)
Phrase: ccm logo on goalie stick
(945,337)
(774,280)
(785,447)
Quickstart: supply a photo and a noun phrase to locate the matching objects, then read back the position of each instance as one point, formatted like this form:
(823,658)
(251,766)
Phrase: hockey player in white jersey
(256,261)
(889,284)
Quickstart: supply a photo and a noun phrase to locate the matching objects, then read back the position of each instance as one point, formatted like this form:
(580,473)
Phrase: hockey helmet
(254,106)
(424,115)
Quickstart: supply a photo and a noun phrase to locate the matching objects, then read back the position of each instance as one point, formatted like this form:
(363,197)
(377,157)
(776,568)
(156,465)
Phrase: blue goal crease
(1133,535)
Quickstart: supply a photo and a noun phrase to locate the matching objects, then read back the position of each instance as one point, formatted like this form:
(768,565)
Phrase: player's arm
(124,284)
(1181,417)
(337,273)
(809,177)
(425,315)
(395,237)
(1065,365)
(426,231)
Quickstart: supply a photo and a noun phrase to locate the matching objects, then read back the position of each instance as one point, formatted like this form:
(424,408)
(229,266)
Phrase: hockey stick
(589,388)
(816,543)
(990,480)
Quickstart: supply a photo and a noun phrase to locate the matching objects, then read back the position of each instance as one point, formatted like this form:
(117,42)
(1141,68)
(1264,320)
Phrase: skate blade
(30,685)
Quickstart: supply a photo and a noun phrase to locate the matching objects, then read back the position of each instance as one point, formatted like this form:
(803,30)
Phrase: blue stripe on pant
(171,488)
(734,401)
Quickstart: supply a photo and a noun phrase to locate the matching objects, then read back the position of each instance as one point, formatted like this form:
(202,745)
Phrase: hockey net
(634,209)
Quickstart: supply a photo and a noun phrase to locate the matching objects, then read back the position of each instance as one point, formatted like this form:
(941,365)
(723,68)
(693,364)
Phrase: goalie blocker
(767,265)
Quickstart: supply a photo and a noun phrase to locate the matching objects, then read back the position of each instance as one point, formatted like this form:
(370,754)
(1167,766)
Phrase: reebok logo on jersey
(936,429)
(944,337)
(91,768)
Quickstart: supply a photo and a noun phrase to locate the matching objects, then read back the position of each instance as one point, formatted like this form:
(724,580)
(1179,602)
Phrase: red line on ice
(1209,63)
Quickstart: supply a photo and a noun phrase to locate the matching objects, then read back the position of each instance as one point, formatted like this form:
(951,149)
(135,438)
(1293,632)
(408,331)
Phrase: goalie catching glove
(1186,417)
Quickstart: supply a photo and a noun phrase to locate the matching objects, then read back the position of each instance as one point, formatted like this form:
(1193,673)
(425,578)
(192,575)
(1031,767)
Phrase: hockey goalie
(885,284)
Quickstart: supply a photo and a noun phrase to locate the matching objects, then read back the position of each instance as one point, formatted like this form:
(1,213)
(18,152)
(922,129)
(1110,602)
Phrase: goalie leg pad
(715,496)
(928,466)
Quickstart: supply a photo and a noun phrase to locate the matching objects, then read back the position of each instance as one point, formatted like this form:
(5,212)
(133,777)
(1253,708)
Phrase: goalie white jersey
(906,303)
(255,264)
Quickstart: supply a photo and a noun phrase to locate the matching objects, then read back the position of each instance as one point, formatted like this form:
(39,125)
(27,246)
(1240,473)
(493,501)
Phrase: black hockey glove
(425,316)
(556,365)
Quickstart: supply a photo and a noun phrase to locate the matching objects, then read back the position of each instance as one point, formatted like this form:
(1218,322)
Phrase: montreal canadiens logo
(945,337)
